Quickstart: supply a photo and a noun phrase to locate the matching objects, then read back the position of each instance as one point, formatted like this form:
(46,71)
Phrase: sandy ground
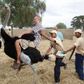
(45,69)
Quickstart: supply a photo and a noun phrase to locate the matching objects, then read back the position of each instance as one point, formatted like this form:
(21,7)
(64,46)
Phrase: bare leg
(18,49)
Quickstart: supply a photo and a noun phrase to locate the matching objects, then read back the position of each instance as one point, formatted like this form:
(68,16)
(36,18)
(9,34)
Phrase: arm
(47,52)
(27,32)
(43,34)
(70,49)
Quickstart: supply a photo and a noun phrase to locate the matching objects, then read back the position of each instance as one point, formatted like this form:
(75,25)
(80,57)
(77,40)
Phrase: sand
(45,69)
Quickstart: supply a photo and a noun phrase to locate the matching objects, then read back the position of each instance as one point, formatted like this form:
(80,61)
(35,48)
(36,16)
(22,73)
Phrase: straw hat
(53,31)
(79,31)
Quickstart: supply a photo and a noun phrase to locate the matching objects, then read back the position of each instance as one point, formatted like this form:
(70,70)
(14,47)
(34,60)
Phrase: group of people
(56,43)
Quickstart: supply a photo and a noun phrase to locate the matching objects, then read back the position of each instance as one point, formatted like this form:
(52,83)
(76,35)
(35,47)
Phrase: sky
(62,11)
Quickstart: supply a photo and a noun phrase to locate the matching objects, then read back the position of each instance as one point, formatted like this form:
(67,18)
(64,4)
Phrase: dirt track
(45,69)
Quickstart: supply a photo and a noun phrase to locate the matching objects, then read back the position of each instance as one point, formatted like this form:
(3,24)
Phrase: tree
(1,5)
(61,25)
(23,11)
(78,22)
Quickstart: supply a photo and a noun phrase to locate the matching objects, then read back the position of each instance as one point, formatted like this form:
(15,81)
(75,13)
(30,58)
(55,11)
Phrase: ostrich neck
(6,18)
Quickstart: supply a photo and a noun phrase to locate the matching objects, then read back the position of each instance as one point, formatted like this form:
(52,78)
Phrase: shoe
(57,83)
(82,79)
(16,65)
(76,71)
(65,66)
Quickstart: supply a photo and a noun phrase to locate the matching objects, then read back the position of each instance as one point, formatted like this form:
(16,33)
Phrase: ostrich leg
(25,58)
(35,72)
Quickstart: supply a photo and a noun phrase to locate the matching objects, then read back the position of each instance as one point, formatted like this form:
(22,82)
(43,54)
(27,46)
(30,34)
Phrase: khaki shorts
(26,43)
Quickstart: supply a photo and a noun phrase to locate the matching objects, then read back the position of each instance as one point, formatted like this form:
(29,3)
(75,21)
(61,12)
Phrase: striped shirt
(38,36)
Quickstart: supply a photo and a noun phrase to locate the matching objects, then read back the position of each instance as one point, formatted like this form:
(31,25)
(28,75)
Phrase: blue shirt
(59,34)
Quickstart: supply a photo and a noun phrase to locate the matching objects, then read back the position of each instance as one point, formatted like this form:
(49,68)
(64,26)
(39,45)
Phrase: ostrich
(28,56)
(8,12)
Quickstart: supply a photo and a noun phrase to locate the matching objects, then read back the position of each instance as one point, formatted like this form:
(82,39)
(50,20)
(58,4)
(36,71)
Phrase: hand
(52,40)
(19,36)
(65,52)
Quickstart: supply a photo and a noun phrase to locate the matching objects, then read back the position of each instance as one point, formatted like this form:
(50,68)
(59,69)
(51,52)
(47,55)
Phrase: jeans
(79,65)
(58,64)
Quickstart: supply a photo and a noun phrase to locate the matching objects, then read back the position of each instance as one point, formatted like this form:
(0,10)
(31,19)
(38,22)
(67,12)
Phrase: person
(38,30)
(79,54)
(9,32)
(59,34)
(58,46)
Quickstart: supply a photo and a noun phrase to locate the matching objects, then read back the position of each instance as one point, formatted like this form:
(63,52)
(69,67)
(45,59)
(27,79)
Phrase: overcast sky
(62,11)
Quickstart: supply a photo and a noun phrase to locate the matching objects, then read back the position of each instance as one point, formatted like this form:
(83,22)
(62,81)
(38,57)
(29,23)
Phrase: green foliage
(61,25)
(78,22)
(1,4)
(23,11)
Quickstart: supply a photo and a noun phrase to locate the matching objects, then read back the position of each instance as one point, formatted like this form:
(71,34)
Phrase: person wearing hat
(58,46)
(79,54)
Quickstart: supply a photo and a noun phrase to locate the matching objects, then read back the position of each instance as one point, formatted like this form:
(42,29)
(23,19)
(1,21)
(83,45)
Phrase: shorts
(26,43)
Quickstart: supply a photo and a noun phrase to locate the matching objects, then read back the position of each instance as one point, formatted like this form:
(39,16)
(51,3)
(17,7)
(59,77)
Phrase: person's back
(59,34)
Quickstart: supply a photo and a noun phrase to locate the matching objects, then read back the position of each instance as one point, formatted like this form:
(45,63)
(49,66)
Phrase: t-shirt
(59,34)
(79,45)
(57,45)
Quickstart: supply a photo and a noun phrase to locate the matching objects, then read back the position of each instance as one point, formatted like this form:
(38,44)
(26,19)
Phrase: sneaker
(65,66)
(16,65)
(81,79)
(57,83)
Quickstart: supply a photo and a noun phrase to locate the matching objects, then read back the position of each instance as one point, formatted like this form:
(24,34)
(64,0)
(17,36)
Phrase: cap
(78,30)
(53,31)
(6,5)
